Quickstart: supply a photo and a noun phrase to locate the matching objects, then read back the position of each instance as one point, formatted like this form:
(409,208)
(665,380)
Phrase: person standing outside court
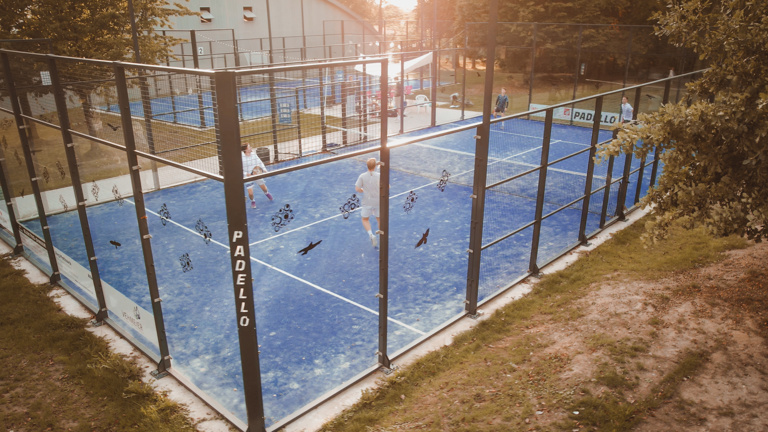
(626,111)
(368,185)
(399,107)
(252,164)
(502,103)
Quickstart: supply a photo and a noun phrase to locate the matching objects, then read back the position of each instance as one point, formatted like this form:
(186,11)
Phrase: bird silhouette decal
(114,128)
(423,238)
(309,248)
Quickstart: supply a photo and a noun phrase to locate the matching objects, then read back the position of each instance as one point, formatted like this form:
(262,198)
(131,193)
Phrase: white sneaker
(373,240)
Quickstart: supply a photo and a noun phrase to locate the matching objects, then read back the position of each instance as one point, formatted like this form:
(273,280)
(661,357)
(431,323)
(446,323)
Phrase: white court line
(538,137)
(317,287)
(497,160)
(392,196)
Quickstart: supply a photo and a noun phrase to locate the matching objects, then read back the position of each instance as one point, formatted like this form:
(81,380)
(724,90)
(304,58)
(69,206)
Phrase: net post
(24,140)
(533,267)
(237,224)
(590,170)
(141,217)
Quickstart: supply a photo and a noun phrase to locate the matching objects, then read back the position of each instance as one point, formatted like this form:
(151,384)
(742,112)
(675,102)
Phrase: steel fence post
(24,140)
(237,222)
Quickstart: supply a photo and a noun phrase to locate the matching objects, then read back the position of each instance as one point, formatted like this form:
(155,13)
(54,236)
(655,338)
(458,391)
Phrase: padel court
(315,272)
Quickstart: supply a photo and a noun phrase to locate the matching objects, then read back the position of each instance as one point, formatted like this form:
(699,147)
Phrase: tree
(367,9)
(556,42)
(713,144)
(97,29)
(94,29)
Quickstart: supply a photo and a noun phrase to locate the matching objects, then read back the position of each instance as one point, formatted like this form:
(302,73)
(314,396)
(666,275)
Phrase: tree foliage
(367,9)
(714,157)
(557,38)
(99,29)
(93,29)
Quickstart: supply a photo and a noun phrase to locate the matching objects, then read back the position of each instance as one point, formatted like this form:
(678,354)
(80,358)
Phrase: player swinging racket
(252,165)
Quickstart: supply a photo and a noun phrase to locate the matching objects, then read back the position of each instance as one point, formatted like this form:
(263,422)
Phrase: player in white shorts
(368,184)
(252,164)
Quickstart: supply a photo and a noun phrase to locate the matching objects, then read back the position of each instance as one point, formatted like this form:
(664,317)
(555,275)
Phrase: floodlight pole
(269,31)
(146,105)
(134,34)
(383,230)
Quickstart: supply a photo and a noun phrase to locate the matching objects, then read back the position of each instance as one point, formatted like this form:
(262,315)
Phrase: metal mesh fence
(292,113)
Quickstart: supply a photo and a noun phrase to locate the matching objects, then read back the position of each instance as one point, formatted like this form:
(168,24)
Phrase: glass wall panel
(187,222)
(17,176)
(111,212)
(566,181)
(316,276)
(430,210)
(8,135)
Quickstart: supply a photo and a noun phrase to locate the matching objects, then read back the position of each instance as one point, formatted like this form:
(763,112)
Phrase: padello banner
(577,115)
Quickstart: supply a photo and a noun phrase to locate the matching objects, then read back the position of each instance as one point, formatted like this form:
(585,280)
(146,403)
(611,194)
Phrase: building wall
(329,30)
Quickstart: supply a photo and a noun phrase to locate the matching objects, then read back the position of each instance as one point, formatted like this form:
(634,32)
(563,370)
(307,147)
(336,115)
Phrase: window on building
(248,14)
(205,15)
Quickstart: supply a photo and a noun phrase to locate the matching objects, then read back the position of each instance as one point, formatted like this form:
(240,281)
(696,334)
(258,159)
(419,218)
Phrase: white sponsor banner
(35,244)
(121,306)
(135,316)
(577,115)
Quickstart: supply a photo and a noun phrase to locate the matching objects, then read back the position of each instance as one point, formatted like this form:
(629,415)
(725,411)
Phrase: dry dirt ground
(642,331)
(683,353)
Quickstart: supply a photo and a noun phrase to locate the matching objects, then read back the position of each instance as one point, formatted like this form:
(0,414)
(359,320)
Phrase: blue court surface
(316,307)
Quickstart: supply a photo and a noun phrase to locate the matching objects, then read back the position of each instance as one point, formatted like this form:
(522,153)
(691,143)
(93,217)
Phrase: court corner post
(590,171)
(237,221)
(383,232)
(129,139)
(533,266)
(13,95)
(482,140)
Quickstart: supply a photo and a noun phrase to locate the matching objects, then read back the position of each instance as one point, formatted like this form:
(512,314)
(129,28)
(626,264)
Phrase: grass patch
(611,412)
(464,377)
(56,375)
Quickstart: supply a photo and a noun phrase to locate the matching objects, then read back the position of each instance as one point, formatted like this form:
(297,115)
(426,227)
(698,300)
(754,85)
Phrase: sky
(406,5)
